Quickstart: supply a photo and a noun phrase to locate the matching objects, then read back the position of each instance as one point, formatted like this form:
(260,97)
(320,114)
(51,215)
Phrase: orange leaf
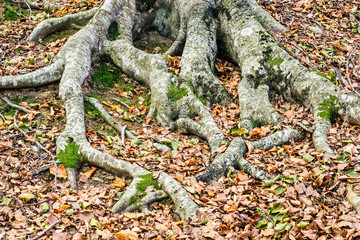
(118,182)
(132,108)
(255,131)
(192,161)
(90,172)
(126,235)
(232,208)
(61,172)
(62,208)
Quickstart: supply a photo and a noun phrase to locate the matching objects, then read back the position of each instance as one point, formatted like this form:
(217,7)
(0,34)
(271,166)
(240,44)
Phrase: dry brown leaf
(232,208)
(126,235)
(61,171)
(255,131)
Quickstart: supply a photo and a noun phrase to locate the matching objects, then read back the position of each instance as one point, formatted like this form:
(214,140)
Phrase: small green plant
(176,93)
(70,157)
(328,110)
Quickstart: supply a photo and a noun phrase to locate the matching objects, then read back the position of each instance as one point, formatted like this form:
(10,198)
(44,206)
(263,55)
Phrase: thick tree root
(37,78)
(263,63)
(55,24)
(233,156)
(198,58)
(353,198)
(35,5)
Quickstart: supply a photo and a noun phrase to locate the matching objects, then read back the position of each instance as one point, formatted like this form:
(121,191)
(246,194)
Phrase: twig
(7,101)
(338,75)
(39,145)
(39,235)
(43,168)
(24,211)
(123,135)
(347,71)
(122,103)
(27,4)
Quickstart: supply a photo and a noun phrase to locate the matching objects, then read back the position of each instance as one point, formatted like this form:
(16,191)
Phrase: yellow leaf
(62,208)
(118,182)
(126,235)
(61,172)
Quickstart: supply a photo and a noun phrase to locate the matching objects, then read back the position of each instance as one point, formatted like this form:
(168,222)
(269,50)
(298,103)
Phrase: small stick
(27,4)
(347,71)
(43,168)
(123,135)
(122,103)
(39,235)
(24,211)
(7,101)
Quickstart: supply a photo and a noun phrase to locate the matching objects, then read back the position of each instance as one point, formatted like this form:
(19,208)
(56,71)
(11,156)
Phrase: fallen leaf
(126,235)
(61,171)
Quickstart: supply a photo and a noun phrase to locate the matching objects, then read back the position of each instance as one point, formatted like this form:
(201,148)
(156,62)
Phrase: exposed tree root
(353,198)
(37,78)
(35,5)
(112,122)
(55,24)
(233,156)
(176,99)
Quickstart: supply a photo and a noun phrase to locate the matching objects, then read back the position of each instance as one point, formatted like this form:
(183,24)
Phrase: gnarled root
(233,156)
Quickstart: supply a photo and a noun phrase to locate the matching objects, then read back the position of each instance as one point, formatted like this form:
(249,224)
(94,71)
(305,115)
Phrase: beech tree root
(179,101)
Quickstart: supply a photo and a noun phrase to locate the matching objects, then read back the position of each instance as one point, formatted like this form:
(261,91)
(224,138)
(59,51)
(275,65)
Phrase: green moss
(90,111)
(275,61)
(327,109)
(106,75)
(113,32)
(203,100)
(176,93)
(191,86)
(70,157)
(58,35)
(147,181)
(10,15)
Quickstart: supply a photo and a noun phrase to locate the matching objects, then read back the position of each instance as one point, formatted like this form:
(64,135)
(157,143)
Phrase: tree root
(353,198)
(35,5)
(54,24)
(37,78)
(233,156)
(264,65)
(112,122)
(8,102)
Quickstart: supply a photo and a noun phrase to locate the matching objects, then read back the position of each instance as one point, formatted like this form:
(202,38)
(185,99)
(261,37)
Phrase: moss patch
(106,75)
(113,32)
(275,61)
(147,181)
(176,93)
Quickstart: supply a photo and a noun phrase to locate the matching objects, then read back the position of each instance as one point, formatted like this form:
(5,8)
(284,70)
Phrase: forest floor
(306,202)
